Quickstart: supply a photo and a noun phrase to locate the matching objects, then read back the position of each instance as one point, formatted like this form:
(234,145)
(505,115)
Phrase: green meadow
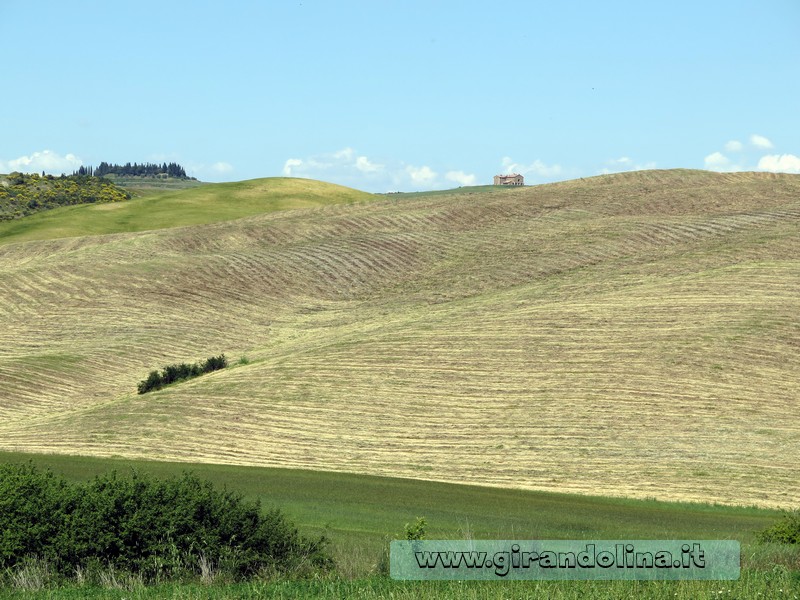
(160,208)
(361,513)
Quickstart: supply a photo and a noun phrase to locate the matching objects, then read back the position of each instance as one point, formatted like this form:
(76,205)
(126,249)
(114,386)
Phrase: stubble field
(627,335)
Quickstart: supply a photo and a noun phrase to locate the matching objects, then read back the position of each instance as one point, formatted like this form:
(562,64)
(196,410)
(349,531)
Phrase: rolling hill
(627,335)
(165,207)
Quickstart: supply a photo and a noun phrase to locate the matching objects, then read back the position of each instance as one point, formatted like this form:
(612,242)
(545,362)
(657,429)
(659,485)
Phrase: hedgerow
(785,531)
(180,372)
(158,529)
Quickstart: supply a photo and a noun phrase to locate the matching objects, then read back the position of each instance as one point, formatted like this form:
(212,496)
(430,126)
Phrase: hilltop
(143,179)
(632,334)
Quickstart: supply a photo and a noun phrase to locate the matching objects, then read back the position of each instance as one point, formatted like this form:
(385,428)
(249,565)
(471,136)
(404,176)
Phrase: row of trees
(180,372)
(135,170)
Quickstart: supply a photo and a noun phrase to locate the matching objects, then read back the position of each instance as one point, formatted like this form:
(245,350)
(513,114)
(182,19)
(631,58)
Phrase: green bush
(32,514)
(138,524)
(153,382)
(28,194)
(213,363)
(180,372)
(785,531)
(417,530)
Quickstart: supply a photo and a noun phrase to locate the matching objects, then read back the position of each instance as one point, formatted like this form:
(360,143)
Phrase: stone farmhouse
(512,179)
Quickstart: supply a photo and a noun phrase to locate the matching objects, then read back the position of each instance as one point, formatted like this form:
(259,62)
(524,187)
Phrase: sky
(406,95)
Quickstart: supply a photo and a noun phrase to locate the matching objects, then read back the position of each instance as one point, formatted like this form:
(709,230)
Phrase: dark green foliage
(139,524)
(27,194)
(153,382)
(172,169)
(180,372)
(214,363)
(31,511)
(785,531)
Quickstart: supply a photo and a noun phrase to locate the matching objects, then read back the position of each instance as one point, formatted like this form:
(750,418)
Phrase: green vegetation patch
(23,195)
(157,529)
(166,208)
(785,531)
(361,513)
(180,372)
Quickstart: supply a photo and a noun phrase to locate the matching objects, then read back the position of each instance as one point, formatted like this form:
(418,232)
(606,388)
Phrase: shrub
(215,363)
(785,531)
(416,530)
(180,372)
(140,525)
(31,512)
(153,382)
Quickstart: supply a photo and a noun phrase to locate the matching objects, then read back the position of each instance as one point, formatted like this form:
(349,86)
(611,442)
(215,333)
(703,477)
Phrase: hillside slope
(23,195)
(632,334)
(167,208)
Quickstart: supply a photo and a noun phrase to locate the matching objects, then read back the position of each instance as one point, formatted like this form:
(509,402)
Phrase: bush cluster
(22,195)
(785,531)
(179,372)
(158,529)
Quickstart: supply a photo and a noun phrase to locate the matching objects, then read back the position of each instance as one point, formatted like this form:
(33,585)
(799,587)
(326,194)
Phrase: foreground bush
(157,529)
(180,372)
(785,531)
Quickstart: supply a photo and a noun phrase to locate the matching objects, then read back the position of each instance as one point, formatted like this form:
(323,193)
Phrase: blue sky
(412,95)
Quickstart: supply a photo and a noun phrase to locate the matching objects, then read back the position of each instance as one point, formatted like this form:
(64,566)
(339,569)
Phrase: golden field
(627,335)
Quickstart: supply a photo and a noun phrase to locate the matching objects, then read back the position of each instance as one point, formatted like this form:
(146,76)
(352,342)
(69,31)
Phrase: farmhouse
(512,179)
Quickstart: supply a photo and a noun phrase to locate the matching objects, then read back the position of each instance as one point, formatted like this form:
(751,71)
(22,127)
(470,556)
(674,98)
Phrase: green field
(162,207)
(751,585)
(361,513)
(141,186)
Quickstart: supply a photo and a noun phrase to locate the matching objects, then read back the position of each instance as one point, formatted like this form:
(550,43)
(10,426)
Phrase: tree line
(172,169)
(180,372)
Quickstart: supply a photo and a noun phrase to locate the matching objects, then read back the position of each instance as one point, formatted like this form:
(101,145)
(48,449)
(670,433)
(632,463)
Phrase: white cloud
(217,171)
(780,163)
(222,167)
(46,160)
(460,177)
(775,163)
(421,175)
(537,167)
(734,146)
(717,162)
(345,154)
(759,141)
(291,165)
(624,163)
(344,160)
(347,167)
(364,165)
